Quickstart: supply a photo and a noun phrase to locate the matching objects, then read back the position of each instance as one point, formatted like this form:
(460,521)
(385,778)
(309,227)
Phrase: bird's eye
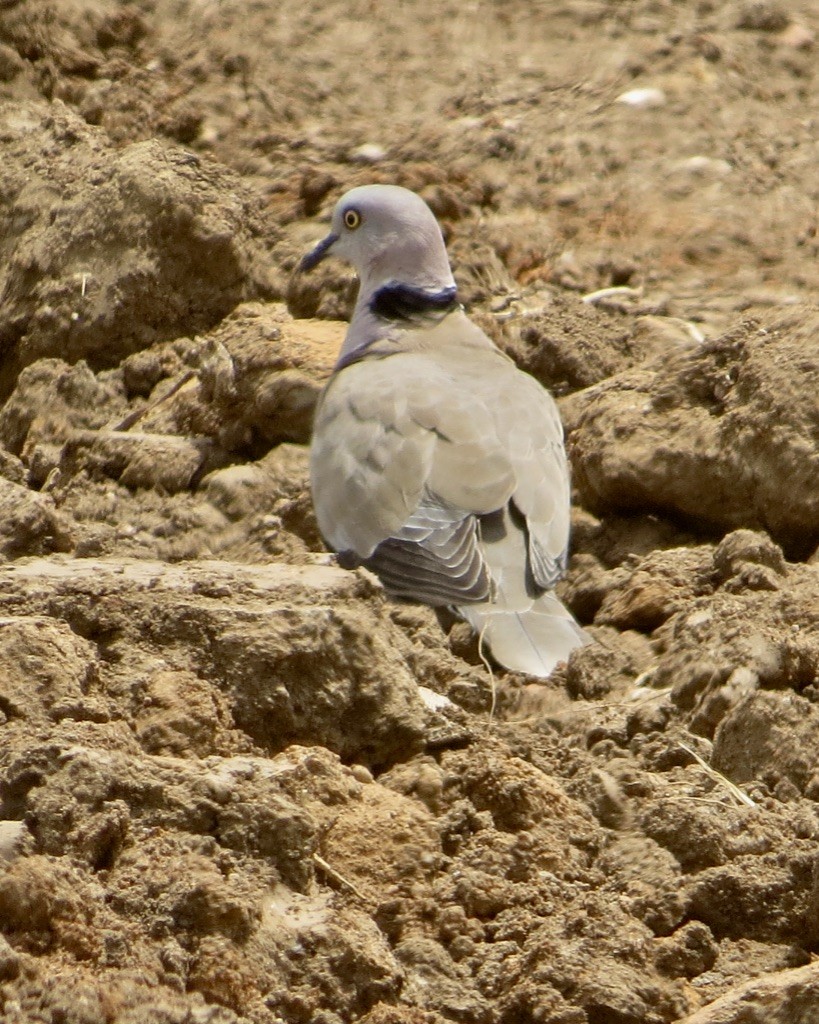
(352,218)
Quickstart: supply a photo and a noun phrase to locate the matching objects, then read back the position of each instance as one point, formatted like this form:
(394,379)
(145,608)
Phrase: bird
(435,462)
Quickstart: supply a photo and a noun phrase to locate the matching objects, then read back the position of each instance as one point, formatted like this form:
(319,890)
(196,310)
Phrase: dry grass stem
(331,872)
(718,777)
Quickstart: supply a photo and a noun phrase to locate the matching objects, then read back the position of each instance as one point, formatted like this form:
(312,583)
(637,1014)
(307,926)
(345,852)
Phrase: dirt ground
(237,784)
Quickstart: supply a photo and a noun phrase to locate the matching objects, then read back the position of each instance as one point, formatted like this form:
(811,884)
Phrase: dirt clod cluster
(237,784)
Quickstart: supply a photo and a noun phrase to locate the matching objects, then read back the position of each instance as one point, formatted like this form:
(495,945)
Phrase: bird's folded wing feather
(369,460)
(435,558)
(528,421)
(396,439)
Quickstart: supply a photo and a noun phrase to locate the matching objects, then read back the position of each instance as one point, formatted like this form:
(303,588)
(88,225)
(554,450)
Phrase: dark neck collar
(402,303)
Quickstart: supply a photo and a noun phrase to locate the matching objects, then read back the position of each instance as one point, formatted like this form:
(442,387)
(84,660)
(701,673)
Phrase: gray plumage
(435,462)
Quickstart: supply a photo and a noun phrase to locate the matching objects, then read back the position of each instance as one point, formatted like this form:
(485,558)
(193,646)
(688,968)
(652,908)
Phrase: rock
(748,560)
(36,896)
(127,247)
(596,670)
(257,378)
(768,736)
(367,153)
(314,188)
(331,933)
(432,978)
(620,539)
(52,400)
(11,468)
(661,335)
(648,878)
(519,796)
(30,524)
(643,604)
(660,584)
(777,998)
(303,653)
(772,899)
(279,368)
(724,436)
(705,167)
(569,345)
(143,370)
(383,1013)
(690,951)
(719,649)
(10,63)
(139,459)
(250,488)
(91,798)
(183,715)
(46,673)
(696,838)
(798,37)
(741,959)
(414,842)
(269,499)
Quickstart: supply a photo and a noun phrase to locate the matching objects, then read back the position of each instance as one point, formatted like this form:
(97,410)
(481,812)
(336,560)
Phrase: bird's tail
(525,628)
(531,639)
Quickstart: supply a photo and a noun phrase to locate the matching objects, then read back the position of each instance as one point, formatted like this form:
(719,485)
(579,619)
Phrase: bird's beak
(315,256)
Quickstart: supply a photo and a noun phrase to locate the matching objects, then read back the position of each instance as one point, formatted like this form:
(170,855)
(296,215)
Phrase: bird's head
(389,235)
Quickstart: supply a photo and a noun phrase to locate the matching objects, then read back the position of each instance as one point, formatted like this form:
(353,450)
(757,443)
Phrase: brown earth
(236,783)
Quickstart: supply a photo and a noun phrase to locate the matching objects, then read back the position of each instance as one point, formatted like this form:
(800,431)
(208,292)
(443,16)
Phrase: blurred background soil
(236,783)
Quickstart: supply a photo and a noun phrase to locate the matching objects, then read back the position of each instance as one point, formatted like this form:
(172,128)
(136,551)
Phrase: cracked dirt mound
(236,783)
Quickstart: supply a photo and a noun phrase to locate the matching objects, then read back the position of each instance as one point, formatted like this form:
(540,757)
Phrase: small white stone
(368,153)
(699,618)
(702,166)
(643,99)
(361,773)
(432,700)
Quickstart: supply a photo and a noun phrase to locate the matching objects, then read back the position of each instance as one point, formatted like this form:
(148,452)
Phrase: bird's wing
(528,424)
(403,453)
(369,459)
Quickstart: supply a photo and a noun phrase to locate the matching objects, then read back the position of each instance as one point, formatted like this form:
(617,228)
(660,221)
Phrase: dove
(435,462)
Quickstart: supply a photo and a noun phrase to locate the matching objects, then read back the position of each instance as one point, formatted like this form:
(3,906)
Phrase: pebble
(704,166)
(432,700)
(361,773)
(368,153)
(642,99)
